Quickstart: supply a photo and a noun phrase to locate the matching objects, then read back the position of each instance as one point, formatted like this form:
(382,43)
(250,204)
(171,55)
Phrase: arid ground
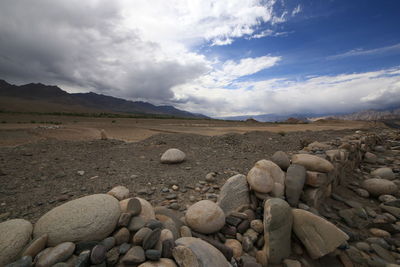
(44,164)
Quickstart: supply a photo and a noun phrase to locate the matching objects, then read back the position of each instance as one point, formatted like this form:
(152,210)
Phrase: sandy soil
(22,129)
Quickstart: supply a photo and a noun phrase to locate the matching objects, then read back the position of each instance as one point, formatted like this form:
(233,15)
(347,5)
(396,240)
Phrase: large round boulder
(384,173)
(266,177)
(312,163)
(173,155)
(205,217)
(377,187)
(14,236)
(318,235)
(89,218)
(194,252)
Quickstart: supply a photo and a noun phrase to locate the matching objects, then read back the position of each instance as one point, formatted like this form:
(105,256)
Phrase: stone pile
(334,204)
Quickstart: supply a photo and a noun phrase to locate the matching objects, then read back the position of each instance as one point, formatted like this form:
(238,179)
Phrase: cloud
(296,10)
(362,52)
(137,49)
(319,94)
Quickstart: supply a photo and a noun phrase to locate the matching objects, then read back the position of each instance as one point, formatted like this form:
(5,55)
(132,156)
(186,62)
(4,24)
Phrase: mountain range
(37,97)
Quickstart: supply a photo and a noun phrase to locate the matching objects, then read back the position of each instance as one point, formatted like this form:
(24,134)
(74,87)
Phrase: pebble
(121,236)
(154,224)
(56,254)
(140,235)
(167,248)
(36,246)
(171,196)
(83,259)
(108,242)
(112,256)
(151,239)
(98,254)
(134,256)
(174,206)
(124,248)
(379,232)
(210,177)
(257,225)
(136,224)
(124,219)
(153,254)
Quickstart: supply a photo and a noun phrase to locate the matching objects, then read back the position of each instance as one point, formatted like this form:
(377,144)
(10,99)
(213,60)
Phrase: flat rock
(194,252)
(316,179)
(377,187)
(88,218)
(384,173)
(278,220)
(172,156)
(119,192)
(267,177)
(294,183)
(281,159)
(131,205)
(205,217)
(312,163)
(234,194)
(318,235)
(14,236)
(56,254)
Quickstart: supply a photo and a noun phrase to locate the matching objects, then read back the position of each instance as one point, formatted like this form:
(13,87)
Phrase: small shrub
(282,133)
(32,121)
(3,122)
(113,121)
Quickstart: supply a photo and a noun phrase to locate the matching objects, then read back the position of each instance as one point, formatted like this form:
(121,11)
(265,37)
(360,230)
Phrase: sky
(215,57)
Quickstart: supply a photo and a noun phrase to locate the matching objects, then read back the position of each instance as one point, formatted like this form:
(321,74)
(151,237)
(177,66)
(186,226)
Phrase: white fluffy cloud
(323,94)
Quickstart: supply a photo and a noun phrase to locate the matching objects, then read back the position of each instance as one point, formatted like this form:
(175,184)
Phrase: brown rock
(36,246)
(205,217)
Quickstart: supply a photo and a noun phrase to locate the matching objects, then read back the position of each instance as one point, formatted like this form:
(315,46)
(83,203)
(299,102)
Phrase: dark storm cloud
(81,44)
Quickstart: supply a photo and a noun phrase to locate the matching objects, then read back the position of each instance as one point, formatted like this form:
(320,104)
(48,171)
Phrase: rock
(109,242)
(234,194)
(140,236)
(119,192)
(294,183)
(167,248)
(172,156)
(210,177)
(124,219)
(278,221)
(205,217)
(136,224)
(103,135)
(134,256)
(370,157)
(379,232)
(194,252)
(281,159)
(88,218)
(387,198)
(25,261)
(14,236)
(124,248)
(377,187)
(291,263)
(85,245)
(243,226)
(112,256)
(147,212)
(161,263)
(318,235)
(131,205)
(362,192)
(57,254)
(122,236)
(153,224)
(185,231)
(98,254)
(257,225)
(36,246)
(316,179)
(384,173)
(83,259)
(392,210)
(312,163)
(236,247)
(153,254)
(266,177)
(383,253)
(151,239)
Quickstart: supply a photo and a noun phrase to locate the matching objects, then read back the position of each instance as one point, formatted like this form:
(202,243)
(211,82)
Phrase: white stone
(205,217)
(172,156)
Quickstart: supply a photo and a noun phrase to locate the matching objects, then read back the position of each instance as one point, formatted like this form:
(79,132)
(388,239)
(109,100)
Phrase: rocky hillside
(371,115)
(331,204)
(44,98)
